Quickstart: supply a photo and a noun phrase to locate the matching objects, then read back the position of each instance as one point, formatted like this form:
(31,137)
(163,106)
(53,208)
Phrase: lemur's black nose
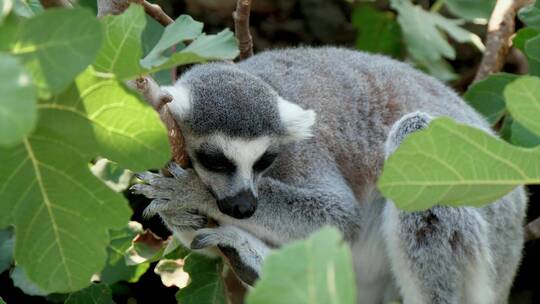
(240,206)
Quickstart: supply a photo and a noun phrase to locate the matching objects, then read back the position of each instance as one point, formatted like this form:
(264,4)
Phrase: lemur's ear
(181,104)
(406,125)
(298,122)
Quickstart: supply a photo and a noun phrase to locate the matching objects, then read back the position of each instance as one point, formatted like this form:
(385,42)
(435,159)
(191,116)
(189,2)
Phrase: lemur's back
(357,97)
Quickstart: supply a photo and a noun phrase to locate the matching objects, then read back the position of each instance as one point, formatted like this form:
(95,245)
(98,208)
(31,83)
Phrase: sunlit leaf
(453,164)
(18,113)
(61,212)
(122,46)
(316,270)
(523,102)
(45,51)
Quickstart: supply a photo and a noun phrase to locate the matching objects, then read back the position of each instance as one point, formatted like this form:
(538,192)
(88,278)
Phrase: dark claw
(135,188)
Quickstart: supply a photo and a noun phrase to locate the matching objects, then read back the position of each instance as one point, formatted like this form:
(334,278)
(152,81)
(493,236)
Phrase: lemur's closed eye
(215,161)
(265,161)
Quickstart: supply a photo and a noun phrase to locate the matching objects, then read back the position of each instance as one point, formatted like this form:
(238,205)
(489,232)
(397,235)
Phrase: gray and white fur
(325,171)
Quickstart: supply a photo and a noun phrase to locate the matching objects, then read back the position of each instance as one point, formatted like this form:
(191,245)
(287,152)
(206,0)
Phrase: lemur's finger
(185,218)
(151,191)
(177,171)
(147,177)
(155,206)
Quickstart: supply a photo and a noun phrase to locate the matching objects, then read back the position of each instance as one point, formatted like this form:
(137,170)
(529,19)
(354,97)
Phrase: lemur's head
(234,123)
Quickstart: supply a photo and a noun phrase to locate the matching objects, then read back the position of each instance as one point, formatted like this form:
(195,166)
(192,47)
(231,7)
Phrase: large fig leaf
(17,102)
(317,270)
(456,165)
(122,47)
(58,44)
(61,212)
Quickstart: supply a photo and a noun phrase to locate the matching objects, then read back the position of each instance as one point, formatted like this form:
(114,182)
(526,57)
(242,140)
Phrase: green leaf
(27,8)
(183,29)
(61,212)
(116,269)
(523,102)
(521,136)
(528,40)
(522,36)
(206,285)
(107,121)
(316,270)
(21,281)
(122,47)
(486,96)
(532,48)
(471,10)
(455,165)
(530,15)
(5,8)
(203,48)
(95,294)
(56,55)
(378,32)
(18,112)
(2,301)
(6,249)
(222,45)
(422,32)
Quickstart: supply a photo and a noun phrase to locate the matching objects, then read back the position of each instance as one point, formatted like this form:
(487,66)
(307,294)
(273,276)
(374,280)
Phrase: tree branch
(501,27)
(241,28)
(155,11)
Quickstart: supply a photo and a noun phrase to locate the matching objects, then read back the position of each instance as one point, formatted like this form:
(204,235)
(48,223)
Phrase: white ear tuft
(181,104)
(297,121)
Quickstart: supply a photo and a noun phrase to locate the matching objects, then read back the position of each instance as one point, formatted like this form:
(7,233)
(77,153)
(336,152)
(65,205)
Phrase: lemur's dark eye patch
(215,161)
(265,161)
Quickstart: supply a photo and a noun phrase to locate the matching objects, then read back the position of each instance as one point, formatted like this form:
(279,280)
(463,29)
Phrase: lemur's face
(234,124)
(231,168)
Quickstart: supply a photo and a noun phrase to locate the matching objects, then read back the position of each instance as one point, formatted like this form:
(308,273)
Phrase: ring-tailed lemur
(269,173)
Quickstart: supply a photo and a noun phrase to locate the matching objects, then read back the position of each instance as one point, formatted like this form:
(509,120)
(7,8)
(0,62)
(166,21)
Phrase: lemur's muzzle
(240,206)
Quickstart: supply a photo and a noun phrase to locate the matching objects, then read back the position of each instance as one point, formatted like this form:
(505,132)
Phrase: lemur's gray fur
(325,173)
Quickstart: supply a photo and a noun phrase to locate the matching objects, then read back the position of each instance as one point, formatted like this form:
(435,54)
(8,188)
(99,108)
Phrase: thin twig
(501,27)
(241,28)
(155,11)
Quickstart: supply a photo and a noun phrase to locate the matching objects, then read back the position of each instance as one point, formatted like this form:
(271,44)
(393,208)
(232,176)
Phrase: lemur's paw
(244,252)
(174,195)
